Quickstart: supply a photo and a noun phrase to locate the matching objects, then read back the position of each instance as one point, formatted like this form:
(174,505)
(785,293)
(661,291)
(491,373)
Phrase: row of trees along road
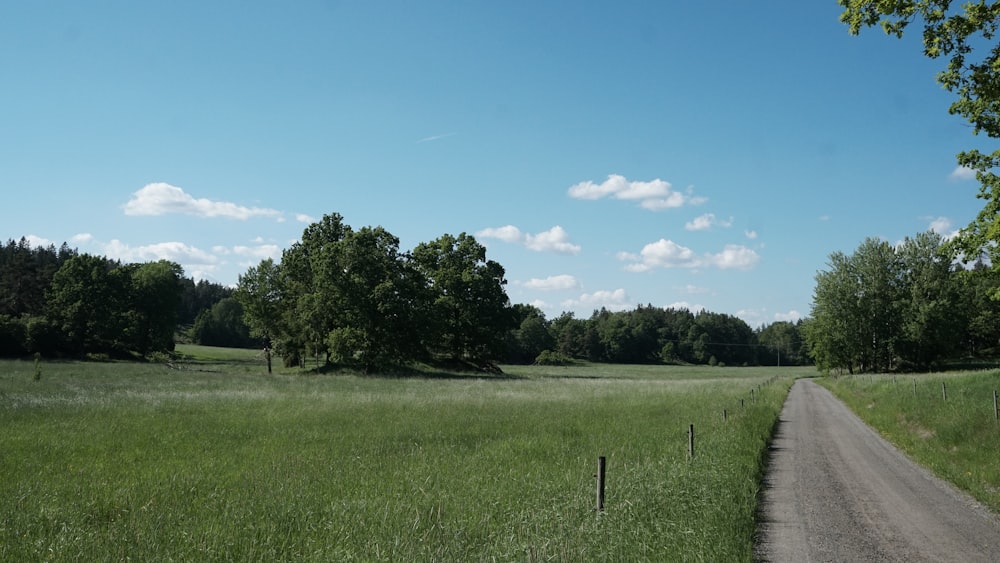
(902,307)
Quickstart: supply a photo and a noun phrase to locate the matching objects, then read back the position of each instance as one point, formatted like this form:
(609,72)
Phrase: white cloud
(555,239)
(36,241)
(668,254)
(82,238)
(508,233)
(824,217)
(707,221)
(161,198)
(552,283)
(541,304)
(942,226)
(303,218)
(660,254)
(752,235)
(734,256)
(173,251)
(791,316)
(616,300)
(654,195)
(261,251)
(962,173)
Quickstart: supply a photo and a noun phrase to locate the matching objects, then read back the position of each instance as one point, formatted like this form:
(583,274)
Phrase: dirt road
(836,491)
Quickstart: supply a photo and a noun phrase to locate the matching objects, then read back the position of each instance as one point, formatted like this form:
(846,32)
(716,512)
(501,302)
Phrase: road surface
(836,491)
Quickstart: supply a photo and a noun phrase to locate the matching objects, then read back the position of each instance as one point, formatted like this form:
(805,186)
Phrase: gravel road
(836,491)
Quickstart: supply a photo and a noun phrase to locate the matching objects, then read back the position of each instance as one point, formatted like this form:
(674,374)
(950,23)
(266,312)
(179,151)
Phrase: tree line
(59,303)
(653,335)
(349,297)
(910,306)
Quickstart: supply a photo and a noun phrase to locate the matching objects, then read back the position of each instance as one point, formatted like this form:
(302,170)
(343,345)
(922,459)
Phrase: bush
(553,358)
(13,337)
(44,337)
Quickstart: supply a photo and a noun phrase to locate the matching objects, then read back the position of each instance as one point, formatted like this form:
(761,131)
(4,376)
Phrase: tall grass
(958,438)
(215,462)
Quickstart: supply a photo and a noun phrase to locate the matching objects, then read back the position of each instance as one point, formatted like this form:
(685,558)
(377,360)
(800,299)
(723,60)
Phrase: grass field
(957,438)
(214,460)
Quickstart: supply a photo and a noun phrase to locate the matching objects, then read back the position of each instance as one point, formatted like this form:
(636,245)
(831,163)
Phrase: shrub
(553,358)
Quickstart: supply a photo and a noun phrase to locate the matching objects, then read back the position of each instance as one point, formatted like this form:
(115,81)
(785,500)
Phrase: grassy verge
(213,460)
(958,438)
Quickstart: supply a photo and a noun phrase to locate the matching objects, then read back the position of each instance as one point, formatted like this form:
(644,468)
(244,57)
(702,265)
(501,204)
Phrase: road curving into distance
(837,491)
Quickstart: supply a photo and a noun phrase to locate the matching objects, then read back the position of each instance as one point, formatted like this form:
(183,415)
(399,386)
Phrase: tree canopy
(964,36)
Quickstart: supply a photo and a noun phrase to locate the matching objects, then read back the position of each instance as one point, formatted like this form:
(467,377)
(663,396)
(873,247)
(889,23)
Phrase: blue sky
(608,154)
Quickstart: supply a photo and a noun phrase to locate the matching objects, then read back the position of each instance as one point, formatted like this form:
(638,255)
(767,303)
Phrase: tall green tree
(314,303)
(469,306)
(153,297)
(223,325)
(933,320)
(965,36)
(85,303)
(259,293)
(380,301)
(834,331)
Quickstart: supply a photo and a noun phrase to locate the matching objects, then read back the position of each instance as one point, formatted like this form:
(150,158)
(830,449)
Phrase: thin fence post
(691,441)
(724,416)
(741,403)
(914,387)
(601,467)
(944,391)
(752,400)
(996,410)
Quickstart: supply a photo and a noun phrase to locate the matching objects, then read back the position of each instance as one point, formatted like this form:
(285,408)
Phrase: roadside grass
(958,438)
(212,461)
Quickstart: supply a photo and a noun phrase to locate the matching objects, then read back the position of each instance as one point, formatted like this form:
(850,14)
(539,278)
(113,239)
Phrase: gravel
(837,491)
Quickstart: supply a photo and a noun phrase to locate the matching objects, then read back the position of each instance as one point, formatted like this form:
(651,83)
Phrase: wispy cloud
(436,138)
(962,173)
(616,300)
(553,283)
(654,195)
(692,289)
(303,218)
(555,239)
(666,253)
(791,316)
(750,234)
(707,221)
(162,199)
(174,251)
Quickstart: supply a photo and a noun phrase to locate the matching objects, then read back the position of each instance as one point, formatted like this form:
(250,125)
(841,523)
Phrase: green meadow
(951,430)
(210,459)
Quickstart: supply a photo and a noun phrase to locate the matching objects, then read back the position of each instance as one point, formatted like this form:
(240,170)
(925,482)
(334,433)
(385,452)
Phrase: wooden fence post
(601,467)
(724,415)
(691,441)
(996,410)
(944,391)
(914,387)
